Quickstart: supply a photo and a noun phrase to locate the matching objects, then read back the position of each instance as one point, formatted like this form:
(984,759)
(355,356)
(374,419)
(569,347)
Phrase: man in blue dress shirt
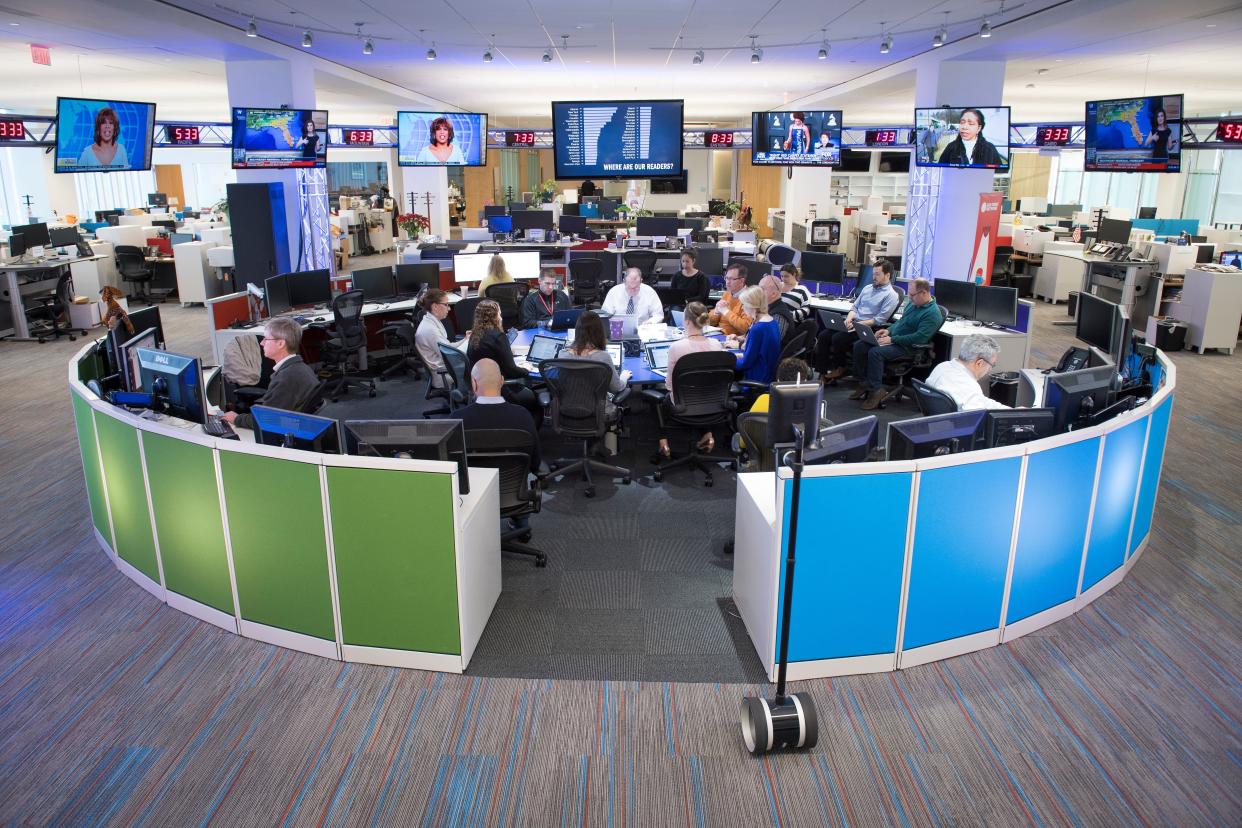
(874,306)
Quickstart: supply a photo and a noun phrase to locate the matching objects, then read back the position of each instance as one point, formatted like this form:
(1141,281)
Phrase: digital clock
(1052,136)
(882,137)
(359,137)
(1229,131)
(182,136)
(717,139)
(519,138)
(12,130)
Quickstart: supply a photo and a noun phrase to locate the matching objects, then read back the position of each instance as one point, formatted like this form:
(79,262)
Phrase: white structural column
(944,203)
(807,186)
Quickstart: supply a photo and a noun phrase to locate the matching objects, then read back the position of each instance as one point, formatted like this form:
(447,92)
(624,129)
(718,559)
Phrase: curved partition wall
(960,552)
(355,558)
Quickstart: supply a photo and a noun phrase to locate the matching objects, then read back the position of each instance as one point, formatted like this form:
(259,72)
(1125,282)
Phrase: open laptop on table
(563,320)
(656,356)
(541,348)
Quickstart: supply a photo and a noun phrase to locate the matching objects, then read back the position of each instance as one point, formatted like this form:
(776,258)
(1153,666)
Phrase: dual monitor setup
(137,371)
(991,305)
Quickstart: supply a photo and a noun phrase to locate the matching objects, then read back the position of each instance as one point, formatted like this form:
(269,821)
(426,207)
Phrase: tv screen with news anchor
(103,136)
(279,138)
(974,137)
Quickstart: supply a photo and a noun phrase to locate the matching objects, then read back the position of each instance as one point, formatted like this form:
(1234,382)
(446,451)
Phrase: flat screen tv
(103,136)
(441,139)
(854,161)
(971,137)
(617,139)
(802,138)
(279,138)
(1134,135)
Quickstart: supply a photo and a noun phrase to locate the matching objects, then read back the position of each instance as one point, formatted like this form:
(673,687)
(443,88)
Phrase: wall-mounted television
(441,139)
(975,137)
(802,138)
(279,138)
(1134,135)
(680,185)
(617,139)
(103,136)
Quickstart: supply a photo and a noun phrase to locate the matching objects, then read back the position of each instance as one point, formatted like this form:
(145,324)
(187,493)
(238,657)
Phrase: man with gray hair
(959,378)
(633,298)
(292,379)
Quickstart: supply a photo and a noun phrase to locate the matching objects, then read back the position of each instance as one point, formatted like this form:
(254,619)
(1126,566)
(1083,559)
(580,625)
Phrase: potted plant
(727,209)
(413,224)
(546,193)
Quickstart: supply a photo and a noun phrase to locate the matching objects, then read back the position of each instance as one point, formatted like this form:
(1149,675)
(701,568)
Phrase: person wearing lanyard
(539,306)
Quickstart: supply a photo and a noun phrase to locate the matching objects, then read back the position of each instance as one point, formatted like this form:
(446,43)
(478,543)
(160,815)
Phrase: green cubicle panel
(186,503)
(84,419)
(127,494)
(396,572)
(280,557)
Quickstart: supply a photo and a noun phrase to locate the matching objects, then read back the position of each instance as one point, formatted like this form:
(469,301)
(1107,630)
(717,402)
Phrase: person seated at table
(496,274)
(431,332)
(795,294)
(292,379)
(539,305)
(728,315)
(873,306)
(790,369)
(691,282)
(591,343)
(762,347)
(633,298)
(778,310)
(917,325)
(488,341)
(695,341)
(491,410)
(959,378)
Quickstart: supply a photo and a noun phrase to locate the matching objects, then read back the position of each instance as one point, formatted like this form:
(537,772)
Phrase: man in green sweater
(918,324)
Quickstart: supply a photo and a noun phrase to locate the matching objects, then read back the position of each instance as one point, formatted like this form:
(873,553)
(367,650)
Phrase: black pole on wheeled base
(786,721)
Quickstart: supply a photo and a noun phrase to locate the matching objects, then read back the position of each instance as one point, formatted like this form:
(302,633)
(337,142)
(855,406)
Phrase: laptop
(866,334)
(617,351)
(833,321)
(656,354)
(563,320)
(621,326)
(679,318)
(544,347)
(512,334)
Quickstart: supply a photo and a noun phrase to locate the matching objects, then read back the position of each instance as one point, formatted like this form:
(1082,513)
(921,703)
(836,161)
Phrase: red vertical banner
(985,238)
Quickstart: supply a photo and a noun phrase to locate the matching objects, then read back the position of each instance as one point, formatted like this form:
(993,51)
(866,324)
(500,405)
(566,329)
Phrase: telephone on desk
(1074,359)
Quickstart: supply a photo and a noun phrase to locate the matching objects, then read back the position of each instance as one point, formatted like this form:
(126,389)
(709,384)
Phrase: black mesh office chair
(347,337)
(510,451)
(586,276)
(644,260)
(921,361)
(509,296)
(49,308)
(133,267)
(578,392)
(399,336)
(463,314)
(931,400)
(702,383)
(455,377)
(901,300)
(781,254)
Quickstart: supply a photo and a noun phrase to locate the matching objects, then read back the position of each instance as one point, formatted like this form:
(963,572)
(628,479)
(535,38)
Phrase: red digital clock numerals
(1057,136)
(717,139)
(183,135)
(882,137)
(360,137)
(12,130)
(1229,131)
(516,138)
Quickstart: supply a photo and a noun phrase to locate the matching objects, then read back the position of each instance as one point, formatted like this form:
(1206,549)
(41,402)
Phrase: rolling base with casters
(586,465)
(694,458)
(515,541)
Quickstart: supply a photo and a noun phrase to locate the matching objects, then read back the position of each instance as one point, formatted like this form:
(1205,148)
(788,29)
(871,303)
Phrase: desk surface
(640,373)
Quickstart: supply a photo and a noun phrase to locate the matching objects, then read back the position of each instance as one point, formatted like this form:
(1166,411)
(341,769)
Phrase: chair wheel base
(589,491)
(625,481)
(541,562)
(657,476)
(708,482)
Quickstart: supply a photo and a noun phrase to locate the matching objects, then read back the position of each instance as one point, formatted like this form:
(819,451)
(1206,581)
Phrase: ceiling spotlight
(756,54)
(252,28)
(698,57)
(307,40)
(431,53)
(823,52)
(823,45)
(547,55)
(487,55)
(943,34)
(368,47)
(986,29)
(886,44)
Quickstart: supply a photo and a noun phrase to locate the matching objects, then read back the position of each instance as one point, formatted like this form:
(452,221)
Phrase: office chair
(644,260)
(901,300)
(50,308)
(796,344)
(780,254)
(463,314)
(510,450)
(932,401)
(588,286)
(509,296)
(578,391)
(399,336)
(922,360)
(455,377)
(703,382)
(755,454)
(133,267)
(348,337)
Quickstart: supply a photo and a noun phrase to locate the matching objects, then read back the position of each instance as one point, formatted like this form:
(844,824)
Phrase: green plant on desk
(546,192)
(728,209)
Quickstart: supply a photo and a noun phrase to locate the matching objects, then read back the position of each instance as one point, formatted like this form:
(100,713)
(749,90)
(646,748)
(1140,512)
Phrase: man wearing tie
(633,298)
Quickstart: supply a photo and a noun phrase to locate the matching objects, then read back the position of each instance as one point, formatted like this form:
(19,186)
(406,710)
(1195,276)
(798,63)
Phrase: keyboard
(217,427)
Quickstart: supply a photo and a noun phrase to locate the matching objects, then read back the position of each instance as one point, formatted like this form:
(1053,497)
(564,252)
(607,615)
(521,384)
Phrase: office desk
(640,373)
(19,280)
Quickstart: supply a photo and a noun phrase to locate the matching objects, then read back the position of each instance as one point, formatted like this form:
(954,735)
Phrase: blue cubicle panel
(962,533)
(1056,500)
(1114,501)
(847,580)
(1152,458)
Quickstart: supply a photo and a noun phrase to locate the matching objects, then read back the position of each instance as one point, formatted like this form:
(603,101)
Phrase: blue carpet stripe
(877,757)
(319,757)
(363,738)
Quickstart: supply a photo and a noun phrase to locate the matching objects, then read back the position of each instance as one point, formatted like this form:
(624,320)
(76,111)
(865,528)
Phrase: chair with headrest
(700,401)
(347,337)
(578,394)
(510,450)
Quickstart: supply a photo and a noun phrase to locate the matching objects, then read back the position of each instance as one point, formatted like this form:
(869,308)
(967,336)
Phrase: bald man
(491,410)
(778,310)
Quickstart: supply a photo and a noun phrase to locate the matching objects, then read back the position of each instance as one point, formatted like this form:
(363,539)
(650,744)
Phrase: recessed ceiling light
(1030,86)
(1211,25)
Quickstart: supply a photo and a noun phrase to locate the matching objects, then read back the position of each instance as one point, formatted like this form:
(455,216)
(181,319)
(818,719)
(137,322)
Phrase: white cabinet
(1211,307)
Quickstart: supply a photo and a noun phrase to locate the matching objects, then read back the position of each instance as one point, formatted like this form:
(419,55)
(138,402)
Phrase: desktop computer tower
(260,232)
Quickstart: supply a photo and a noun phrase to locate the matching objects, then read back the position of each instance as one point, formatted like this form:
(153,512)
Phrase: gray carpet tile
(601,589)
(672,631)
(602,631)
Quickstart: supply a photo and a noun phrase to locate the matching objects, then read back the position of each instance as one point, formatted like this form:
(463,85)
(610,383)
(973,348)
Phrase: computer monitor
(17,244)
(577,225)
(501,223)
(412,278)
(608,208)
(131,369)
(1113,230)
(569,209)
(1197,239)
(36,235)
(1147,212)
(533,220)
(490,210)
(657,226)
(1076,395)
(63,236)
(588,209)
(866,274)
(1064,210)
(180,238)
(933,436)
(165,223)
(794,404)
(175,380)
(101,216)
(1011,427)
(823,267)
(157,199)
(276,294)
(113,219)
(292,429)
(1094,323)
(376,283)
(148,317)
(1120,406)
(1206,253)
(443,440)
(1231,257)
(956,296)
(996,305)
(310,287)
(850,442)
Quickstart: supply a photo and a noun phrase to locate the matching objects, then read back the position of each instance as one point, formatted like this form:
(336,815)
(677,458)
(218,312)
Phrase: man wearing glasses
(292,379)
(918,324)
(959,378)
(728,314)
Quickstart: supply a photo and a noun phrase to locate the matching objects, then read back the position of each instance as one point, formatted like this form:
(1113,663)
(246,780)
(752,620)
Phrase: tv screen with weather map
(441,139)
(796,139)
(279,138)
(103,136)
(1134,135)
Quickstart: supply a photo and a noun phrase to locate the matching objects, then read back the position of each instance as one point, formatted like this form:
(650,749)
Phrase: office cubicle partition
(961,552)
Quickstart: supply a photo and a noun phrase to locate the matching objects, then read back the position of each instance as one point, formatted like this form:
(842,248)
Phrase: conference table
(640,372)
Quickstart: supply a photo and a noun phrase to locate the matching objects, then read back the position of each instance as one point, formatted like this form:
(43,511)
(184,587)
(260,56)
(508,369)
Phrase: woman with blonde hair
(496,274)
(695,341)
(762,349)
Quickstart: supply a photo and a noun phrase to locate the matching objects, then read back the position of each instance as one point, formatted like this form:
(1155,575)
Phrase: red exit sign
(41,55)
